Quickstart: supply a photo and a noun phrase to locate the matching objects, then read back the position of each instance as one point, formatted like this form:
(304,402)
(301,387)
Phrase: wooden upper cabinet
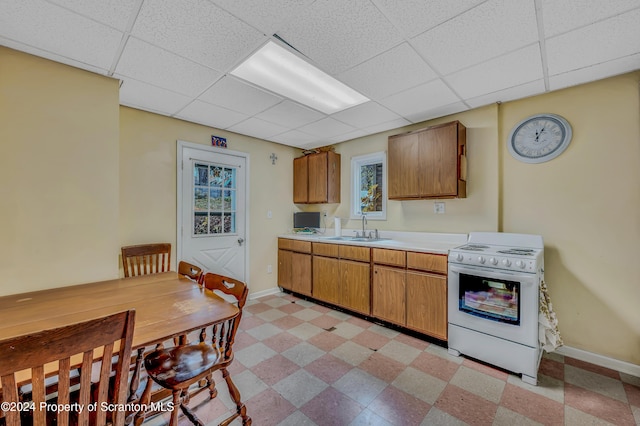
(428,163)
(316,178)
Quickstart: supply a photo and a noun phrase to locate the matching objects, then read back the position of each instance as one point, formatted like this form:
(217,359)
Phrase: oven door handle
(499,274)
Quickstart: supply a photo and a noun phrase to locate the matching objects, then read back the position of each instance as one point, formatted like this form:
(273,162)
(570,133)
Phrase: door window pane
(214,199)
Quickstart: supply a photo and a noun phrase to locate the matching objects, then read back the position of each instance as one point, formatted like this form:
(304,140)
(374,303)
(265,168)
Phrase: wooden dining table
(167,305)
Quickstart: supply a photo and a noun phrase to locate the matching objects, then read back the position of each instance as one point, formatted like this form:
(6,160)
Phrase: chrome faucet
(364,222)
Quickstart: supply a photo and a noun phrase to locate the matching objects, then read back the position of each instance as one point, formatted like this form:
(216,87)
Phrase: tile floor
(300,363)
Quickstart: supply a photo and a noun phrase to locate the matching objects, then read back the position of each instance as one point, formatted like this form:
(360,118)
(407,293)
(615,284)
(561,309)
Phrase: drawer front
(362,254)
(390,257)
(427,262)
(324,249)
(294,245)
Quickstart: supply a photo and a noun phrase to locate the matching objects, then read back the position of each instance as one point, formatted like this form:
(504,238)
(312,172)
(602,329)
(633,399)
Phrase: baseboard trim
(264,293)
(601,360)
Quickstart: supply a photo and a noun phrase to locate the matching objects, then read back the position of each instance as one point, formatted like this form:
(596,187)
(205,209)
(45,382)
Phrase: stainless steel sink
(358,239)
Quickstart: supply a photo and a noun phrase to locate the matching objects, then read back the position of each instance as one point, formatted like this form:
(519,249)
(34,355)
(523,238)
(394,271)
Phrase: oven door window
(492,299)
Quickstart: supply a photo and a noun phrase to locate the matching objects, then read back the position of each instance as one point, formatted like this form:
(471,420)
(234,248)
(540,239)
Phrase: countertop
(427,242)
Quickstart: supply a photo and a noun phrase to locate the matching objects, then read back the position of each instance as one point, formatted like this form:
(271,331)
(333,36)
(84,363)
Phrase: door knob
(240,241)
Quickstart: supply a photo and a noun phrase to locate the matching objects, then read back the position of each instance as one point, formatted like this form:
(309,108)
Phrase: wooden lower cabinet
(301,273)
(294,267)
(389,294)
(284,269)
(427,304)
(326,279)
(355,282)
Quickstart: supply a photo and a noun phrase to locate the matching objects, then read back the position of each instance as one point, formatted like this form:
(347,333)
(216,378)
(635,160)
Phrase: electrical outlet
(438,207)
(269,269)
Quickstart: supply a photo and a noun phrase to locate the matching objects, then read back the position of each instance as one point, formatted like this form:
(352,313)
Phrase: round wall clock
(539,138)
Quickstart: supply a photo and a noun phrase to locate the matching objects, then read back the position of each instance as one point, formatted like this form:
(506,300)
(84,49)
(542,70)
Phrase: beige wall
(586,205)
(74,166)
(148,186)
(58,174)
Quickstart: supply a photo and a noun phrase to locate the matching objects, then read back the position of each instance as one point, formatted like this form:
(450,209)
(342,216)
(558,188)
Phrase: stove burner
(473,247)
(518,251)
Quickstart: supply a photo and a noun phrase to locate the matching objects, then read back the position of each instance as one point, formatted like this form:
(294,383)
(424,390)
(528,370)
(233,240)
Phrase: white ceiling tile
(586,46)
(57,30)
(210,115)
(513,69)
(381,127)
(413,17)
(486,31)
(365,115)
(420,99)
(340,34)
(436,112)
(293,138)
(595,72)
(266,15)
(257,128)
(563,16)
(346,137)
(239,96)
(289,113)
(517,92)
(147,97)
(391,72)
(143,61)
(198,30)
(115,13)
(326,128)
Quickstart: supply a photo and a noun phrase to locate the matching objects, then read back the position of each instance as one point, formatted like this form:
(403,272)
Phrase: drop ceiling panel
(413,17)
(198,30)
(294,138)
(585,46)
(291,114)
(266,15)
(365,115)
(326,128)
(340,34)
(513,69)
(115,13)
(595,72)
(239,96)
(143,61)
(486,31)
(419,100)
(257,128)
(381,127)
(562,16)
(144,96)
(210,115)
(391,72)
(517,92)
(54,29)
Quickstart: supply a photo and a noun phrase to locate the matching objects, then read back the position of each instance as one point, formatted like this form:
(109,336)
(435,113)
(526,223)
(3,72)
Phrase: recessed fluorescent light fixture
(280,71)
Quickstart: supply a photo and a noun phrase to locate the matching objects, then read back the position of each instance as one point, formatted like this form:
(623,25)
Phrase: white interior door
(212,201)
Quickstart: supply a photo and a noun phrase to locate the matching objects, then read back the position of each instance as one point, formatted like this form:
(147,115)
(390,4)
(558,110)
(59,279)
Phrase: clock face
(539,138)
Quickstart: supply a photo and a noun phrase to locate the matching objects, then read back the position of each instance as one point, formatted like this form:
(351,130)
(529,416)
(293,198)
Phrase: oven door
(503,304)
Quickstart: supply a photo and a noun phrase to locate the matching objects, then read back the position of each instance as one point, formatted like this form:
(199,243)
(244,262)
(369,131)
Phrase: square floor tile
(300,387)
(360,386)
(420,385)
(332,407)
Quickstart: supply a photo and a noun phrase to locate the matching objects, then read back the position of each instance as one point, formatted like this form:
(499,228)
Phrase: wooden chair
(72,347)
(179,367)
(146,259)
(190,271)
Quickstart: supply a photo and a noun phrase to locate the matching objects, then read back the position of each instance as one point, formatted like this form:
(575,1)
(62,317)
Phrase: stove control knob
(459,257)
(520,264)
(493,261)
(506,262)
(481,259)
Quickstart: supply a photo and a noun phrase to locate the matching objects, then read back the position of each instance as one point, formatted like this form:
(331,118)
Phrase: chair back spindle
(144,259)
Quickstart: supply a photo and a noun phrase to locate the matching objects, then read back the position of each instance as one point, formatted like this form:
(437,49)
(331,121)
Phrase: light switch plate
(438,207)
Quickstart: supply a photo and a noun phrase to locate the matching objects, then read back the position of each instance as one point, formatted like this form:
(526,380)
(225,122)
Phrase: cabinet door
(388,297)
(318,178)
(284,269)
(326,279)
(427,304)
(301,273)
(300,179)
(403,156)
(438,158)
(355,284)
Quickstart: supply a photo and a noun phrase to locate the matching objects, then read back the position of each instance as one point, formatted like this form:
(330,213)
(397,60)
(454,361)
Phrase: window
(369,192)
(214,198)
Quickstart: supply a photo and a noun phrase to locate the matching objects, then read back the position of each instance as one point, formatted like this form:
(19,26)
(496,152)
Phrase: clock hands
(538,134)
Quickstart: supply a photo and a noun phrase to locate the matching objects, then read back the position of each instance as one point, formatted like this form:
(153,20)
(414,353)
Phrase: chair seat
(179,367)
